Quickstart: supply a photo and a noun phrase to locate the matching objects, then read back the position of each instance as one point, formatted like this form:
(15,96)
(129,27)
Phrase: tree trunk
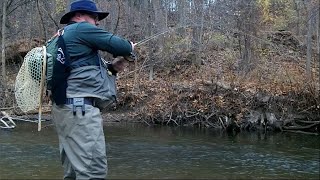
(318,35)
(318,31)
(247,57)
(160,22)
(3,47)
(130,18)
(297,8)
(246,24)
(309,46)
(31,23)
(196,32)
(201,33)
(43,26)
(182,17)
(115,16)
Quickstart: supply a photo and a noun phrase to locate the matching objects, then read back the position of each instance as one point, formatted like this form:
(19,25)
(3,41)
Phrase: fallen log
(301,132)
(308,122)
(300,127)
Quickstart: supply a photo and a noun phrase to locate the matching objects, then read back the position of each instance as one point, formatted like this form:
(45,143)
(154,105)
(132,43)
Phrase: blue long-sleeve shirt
(87,78)
(83,38)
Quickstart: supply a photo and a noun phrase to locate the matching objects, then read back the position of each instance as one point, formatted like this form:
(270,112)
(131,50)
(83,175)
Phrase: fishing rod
(132,57)
(151,37)
(161,33)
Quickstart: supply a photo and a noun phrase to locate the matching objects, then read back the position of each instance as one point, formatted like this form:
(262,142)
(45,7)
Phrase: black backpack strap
(61,72)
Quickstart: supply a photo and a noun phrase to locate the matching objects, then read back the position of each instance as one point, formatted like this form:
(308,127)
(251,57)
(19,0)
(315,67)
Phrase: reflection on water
(135,151)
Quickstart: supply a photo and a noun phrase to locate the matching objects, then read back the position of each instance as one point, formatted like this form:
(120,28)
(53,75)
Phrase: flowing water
(136,151)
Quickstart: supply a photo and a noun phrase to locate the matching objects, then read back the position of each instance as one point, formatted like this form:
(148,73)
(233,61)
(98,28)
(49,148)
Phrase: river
(140,152)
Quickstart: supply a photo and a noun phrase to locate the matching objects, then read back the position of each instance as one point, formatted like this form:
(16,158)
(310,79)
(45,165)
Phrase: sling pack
(58,68)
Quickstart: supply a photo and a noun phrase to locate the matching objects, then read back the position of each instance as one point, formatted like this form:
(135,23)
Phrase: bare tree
(297,8)
(318,43)
(3,38)
(246,15)
(42,24)
(182,16)
(196,31)
(310,19)
(159,25)
(309,46)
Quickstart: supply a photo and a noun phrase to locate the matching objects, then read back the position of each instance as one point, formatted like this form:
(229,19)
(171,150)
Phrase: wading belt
(80,102)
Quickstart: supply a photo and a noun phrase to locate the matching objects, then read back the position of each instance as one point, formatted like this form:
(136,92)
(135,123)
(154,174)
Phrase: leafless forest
(230,64)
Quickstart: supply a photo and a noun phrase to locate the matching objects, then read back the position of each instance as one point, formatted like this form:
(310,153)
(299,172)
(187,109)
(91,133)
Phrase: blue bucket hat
(83,6)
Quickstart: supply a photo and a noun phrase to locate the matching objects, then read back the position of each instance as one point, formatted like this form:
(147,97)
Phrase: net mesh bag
(30,80)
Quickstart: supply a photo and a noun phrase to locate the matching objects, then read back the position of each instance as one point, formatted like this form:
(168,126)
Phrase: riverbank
(231,111)
(191,95)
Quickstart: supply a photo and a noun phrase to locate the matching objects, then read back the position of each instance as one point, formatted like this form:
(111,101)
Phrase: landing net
(30,81)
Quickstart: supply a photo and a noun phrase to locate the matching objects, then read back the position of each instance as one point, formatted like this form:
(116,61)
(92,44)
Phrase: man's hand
(118,64)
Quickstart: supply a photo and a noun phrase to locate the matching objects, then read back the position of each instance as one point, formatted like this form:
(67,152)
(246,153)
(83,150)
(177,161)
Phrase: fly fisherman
(89,88)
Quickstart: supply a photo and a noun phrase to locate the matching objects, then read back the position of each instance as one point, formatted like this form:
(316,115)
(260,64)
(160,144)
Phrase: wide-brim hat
(83,6)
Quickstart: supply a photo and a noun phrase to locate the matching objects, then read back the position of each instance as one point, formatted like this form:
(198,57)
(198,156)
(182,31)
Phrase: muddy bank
(218,106)
(205,104)
(228,110)
(208,105)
